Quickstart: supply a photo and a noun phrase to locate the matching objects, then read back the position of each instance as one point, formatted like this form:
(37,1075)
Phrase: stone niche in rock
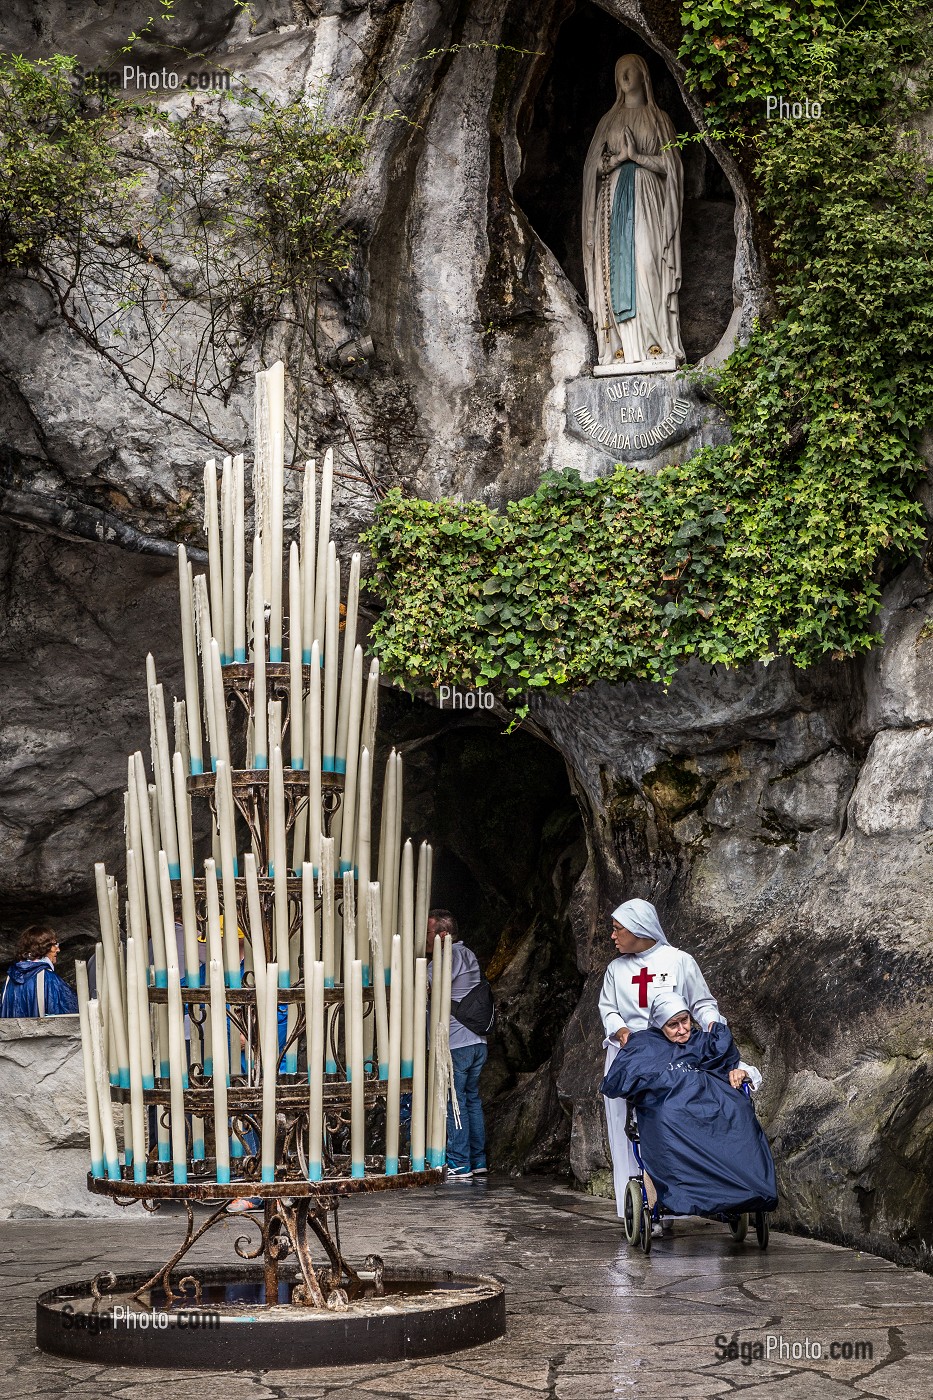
(575,88)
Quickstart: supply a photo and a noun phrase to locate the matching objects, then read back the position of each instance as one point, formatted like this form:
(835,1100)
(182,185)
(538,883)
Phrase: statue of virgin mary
(632,200)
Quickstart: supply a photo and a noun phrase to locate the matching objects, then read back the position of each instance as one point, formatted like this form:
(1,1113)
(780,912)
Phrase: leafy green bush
(777,543)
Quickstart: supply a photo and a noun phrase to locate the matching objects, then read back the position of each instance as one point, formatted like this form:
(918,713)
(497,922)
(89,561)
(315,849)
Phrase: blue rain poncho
(699,1139)
(21,991)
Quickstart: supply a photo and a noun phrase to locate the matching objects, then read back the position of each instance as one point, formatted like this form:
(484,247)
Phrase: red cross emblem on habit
(642,980)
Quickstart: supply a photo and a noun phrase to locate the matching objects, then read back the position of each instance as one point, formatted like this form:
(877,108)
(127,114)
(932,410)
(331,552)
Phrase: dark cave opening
(575,88)
(509,847)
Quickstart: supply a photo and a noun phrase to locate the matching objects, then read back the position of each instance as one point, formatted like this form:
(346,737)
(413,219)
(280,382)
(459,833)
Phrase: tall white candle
(349,953)
(190,656)
(371,708)
(314,1020)
(388,853)
(295,676)
(256,935)
(162,768)
(227,492)
(394,868)
(202,614)
(323,537)
(260,699)
(418,1070)
(111,941)
(225,823)
(433,1124)
(395,1052)
(182,746)
(189,916)
(177,1077)
(275,725)
(98,1166)
(357,1120)
(214,563)
(279,867)
(352,748)
(151,869)
(220,705)
(444,1049)
(270,1057)
(111,1154)
(239,560)
(308,563)
(276,506)
(378,980)
(137,1111)
(219,1075)
(314,759)
(363,858)
(346,672)
(309,939)
(136,925)
(328,910)
(421,902)
(331,653)
(406,929)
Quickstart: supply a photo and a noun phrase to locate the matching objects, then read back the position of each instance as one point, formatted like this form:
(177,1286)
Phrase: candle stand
(260,1029)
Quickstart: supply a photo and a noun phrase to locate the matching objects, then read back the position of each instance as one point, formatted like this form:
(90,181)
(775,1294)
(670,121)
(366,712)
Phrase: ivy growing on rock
(778,543)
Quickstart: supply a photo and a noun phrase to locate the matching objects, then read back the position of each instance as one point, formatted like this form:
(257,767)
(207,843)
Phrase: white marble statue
(632,201)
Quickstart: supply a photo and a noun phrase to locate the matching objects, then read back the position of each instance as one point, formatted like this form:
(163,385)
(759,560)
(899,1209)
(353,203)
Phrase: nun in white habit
(647,965)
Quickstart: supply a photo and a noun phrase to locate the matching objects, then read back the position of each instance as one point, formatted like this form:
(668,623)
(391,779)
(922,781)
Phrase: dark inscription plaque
(632,417)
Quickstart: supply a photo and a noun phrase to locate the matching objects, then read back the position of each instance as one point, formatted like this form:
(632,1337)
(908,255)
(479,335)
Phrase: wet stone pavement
(588,1317)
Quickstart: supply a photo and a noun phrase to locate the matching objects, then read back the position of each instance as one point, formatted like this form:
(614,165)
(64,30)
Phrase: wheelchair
(639,1217)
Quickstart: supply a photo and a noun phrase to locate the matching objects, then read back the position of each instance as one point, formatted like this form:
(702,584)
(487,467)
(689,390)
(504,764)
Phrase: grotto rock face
(782,821)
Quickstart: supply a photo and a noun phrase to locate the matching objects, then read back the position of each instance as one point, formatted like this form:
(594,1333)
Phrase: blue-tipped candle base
(197,1150)
(223,1176)
(149,1080)
(113,1170)
(208,1065)
(340,765)
(297,765)
(174,871)
(315,1171)
(239,656)
(329,982)
(115,1081)
(417,1164)
(236,1147)
(197,768)
(391,1166)
(330,1066)
(261,760)
(165,1152)
(358,1170)
(97,1170)
(275,655)
(383,1072)
(179,1174)
(306,658)
(165,1069)
(290,1064)
(285,978)
(408,1069)
(345,867)
(327,763)
(139,1173)
(161,977)
(268,1175)
(233,979)
(366,981)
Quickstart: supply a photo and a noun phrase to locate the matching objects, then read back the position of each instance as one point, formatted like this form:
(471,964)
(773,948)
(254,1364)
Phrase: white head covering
(640,918)
(664,1006)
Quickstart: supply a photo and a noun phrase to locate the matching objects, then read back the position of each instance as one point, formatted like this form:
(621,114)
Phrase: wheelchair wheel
(632,1210)
(645,1226)
(738,1224)
(762,1229)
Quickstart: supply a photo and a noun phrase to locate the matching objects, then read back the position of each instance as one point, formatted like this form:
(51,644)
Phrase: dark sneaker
(480,1171)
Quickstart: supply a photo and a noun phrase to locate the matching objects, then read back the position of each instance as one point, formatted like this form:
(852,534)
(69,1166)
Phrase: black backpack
(476,1011)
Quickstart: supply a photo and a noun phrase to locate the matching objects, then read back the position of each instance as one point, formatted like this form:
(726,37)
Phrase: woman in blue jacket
(33,987)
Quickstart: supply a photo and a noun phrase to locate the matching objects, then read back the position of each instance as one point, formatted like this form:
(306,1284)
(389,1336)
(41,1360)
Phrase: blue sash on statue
(622,244)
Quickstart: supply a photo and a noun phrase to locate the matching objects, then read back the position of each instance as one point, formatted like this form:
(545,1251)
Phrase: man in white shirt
(647,965)
(466,1145)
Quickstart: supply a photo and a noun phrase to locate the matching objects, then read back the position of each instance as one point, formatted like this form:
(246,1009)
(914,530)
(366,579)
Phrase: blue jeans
(466,1145)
